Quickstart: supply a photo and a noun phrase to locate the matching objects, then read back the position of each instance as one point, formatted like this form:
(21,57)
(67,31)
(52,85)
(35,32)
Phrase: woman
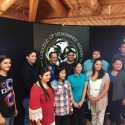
(63,98)
(7,96)
(116,91)
(97,92)
(41,108)
(78,83)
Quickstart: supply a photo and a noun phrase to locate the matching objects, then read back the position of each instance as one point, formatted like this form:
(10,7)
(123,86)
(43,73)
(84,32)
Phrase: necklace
(93,79)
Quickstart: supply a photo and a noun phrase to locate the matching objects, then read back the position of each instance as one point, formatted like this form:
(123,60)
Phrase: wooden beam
(118,19)
(69,4)
(33,6)
(58,7)
(105,2)
(94,6)
(5,4)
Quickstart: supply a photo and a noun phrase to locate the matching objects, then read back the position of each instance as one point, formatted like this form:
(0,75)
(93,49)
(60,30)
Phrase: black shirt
(68,67)
(7,104)
(30,75)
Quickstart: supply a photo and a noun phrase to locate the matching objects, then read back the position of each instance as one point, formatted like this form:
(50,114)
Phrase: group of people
(59,95)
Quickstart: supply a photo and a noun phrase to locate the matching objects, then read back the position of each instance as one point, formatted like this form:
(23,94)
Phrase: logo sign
(61,43)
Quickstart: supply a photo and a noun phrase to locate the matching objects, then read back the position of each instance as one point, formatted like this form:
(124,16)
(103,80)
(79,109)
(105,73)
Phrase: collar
(92,60)
(77,75)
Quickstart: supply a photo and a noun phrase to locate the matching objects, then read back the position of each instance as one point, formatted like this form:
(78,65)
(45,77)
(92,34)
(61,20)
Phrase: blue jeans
(26,107)
(10,120)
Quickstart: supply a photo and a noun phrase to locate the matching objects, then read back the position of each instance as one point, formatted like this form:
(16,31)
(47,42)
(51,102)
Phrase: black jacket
(30,74)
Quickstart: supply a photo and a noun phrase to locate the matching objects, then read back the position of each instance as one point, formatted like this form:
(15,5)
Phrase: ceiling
(68,12)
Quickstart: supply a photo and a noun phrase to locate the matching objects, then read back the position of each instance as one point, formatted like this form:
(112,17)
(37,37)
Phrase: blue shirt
(87,65)
(52,69)
(78,84)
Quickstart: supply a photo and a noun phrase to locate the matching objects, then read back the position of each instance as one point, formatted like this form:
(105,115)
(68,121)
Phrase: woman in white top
(97,92)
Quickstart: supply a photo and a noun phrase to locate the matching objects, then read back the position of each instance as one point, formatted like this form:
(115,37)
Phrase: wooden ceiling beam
(73,4)
(94,6)
(5,4)
(106,2)
(33,6)
(96,19)
(58,7)
(69,4)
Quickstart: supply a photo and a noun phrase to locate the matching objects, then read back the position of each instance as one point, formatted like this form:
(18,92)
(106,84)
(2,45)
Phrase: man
(53,58)
(87,65)
(121,55)
(69,63)
(30,73)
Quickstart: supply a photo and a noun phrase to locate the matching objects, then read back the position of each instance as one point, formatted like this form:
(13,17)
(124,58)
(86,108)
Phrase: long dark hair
(3,57)
(42,72)
(101,71)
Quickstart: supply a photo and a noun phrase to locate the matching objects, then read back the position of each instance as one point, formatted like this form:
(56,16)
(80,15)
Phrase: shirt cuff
(35,115)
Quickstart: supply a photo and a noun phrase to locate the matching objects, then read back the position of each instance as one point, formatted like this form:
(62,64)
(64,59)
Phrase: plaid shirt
(63,98)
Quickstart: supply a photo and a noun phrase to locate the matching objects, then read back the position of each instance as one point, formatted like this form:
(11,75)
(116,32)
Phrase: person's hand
(76,105)
(123,102)
(16,112)
(39,123)
(80,104)
(91,98)
(94,99)
(2,120)
(70,110)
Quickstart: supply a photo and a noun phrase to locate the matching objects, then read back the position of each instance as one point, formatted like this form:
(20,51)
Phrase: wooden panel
(71,12)
(58,7)
(112,1)
(5,4)
(94,6)
(33,5)
(100,20)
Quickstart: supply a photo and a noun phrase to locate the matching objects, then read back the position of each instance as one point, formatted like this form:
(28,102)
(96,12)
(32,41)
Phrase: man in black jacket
(30,73)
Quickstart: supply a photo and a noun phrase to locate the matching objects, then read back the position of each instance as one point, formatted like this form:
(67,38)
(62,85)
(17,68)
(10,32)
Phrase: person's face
(122,49)
(46,77)
(62,75)
(96,55)
(117,65)
(70,56)
(5,65)
(98,65)
(53,58)
(78,68)
(32,58)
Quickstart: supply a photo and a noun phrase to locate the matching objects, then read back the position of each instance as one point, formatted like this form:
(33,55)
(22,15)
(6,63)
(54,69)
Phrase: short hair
(76,63)
(121,44)
(51,54)
(28,52)
(96,50)
(115,59)
(70,51)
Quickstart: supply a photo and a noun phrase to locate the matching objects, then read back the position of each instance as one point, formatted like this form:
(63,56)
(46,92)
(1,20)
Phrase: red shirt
(38,100)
